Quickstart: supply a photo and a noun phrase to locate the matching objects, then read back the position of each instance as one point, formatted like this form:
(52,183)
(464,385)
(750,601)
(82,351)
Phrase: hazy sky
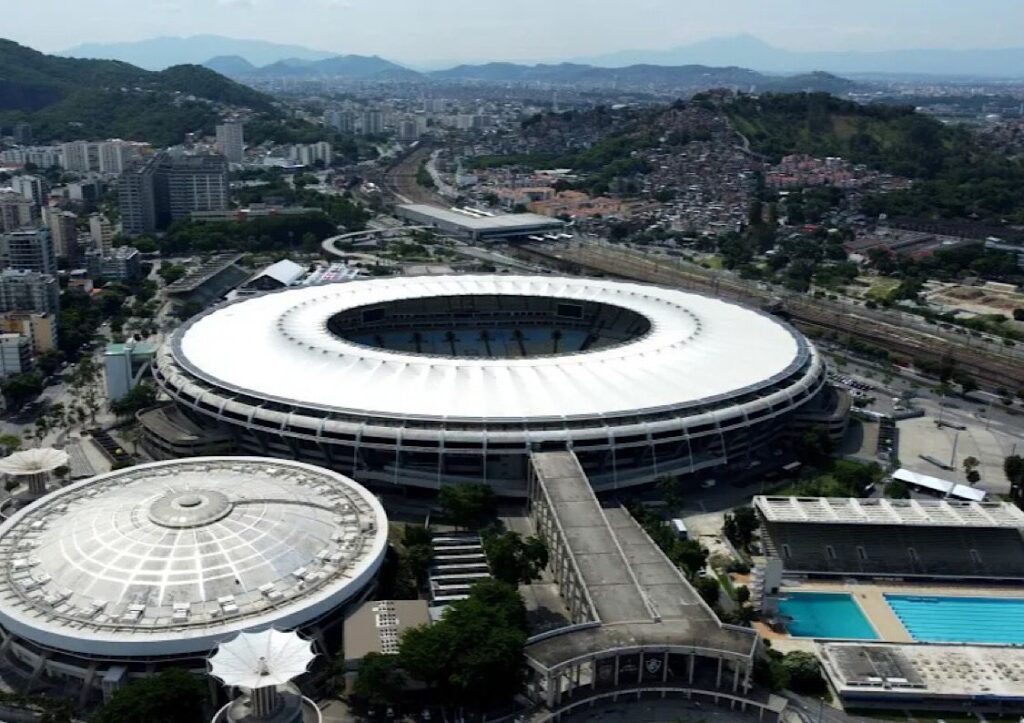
(421,30)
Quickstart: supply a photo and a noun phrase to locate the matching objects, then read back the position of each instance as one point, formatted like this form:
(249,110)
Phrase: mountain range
(751,52)
(160,53)
(108,98)
(637,77)
(744,51)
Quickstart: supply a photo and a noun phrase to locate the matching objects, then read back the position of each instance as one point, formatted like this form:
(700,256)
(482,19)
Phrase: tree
(742,594)
(740,525)
(707,587)
(173,696)
(379,680)
(473,656)
(815,446)
(897,490)
(804,673)
(513,559)
(140,397)
(20,388)
(50,361)
(971,469)
(467,505)
(1013,468)
(10,442)
(690,555)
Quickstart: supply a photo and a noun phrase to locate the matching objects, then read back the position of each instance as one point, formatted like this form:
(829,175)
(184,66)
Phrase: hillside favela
(564,362)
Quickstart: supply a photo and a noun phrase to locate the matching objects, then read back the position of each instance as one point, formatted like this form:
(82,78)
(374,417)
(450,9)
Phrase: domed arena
(424,381)
(123,573)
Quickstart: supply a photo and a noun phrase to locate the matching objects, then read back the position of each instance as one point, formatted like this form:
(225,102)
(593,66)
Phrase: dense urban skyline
(412,31)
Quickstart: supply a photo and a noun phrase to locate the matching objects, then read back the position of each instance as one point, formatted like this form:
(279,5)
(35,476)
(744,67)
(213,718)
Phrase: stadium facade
(119,575)
(429,380)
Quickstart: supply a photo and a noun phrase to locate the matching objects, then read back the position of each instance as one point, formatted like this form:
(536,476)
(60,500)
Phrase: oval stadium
(421,381)
(118,575)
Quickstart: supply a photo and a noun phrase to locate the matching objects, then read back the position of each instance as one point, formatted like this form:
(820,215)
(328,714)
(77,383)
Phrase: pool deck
(871,598)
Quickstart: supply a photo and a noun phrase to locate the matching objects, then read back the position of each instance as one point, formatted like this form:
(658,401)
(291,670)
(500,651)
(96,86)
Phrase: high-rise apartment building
(16,211)
(309,153)
(344,121)
(29,291)
(75,156)
(231,141)
(101,233)
(113,156)
(63,227)
(31,187)
(28,250)
(136,195)
(168,188)
(373,122)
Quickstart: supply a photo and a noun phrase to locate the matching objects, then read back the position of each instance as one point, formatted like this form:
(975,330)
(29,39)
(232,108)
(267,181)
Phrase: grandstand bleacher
(893,538)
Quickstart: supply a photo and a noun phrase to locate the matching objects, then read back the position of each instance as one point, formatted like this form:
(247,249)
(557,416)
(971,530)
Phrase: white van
(679,527)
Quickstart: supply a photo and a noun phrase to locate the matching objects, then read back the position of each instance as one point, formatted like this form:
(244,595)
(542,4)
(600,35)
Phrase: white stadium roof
(171,557)
(277,347)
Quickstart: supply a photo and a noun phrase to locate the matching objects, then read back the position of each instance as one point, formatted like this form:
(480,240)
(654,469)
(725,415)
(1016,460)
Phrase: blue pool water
(960,619)
(825,615)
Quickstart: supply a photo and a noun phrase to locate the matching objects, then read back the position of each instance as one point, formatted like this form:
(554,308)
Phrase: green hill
(71,98)
(955,175)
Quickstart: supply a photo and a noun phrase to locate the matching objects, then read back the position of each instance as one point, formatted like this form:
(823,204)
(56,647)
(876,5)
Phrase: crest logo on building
(653,665)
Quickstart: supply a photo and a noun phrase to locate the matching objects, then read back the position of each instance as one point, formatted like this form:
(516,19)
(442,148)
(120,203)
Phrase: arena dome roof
(280,347)
(171,557)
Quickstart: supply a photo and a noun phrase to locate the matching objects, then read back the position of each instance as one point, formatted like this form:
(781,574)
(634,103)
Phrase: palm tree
(450,338)
(556,336)
(518,336)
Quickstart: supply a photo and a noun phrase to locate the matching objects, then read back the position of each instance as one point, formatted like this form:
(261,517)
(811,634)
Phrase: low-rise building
(15,354)
(29,291)
(121,264)
(124,366)
(39,328)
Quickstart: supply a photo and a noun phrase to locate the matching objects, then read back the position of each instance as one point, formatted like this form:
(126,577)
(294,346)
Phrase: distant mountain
(751,52)
(160,53)
(229,65)
(354,67)
(685,77)
(72,98)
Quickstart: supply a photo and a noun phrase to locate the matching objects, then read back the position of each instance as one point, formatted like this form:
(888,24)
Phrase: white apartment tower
(231,141)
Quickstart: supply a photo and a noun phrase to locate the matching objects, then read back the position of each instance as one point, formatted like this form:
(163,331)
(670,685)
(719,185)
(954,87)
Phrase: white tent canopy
(33,461)
(259,660)
(941,486)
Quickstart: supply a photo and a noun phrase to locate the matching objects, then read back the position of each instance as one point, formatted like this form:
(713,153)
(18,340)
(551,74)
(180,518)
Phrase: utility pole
(952,460)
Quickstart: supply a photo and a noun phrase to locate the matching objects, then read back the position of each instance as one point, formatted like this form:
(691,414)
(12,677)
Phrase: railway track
(989,367)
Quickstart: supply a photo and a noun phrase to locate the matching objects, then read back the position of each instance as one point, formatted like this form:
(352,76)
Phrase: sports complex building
(117,576)
(913,604)
(425,381)
(479,226)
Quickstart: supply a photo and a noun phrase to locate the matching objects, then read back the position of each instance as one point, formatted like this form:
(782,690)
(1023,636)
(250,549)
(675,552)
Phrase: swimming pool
(825,615)
(960,619)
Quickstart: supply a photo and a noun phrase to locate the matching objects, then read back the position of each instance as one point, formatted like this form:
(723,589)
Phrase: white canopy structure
(33,461)
(34,466)
(264,664)
(257,660)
